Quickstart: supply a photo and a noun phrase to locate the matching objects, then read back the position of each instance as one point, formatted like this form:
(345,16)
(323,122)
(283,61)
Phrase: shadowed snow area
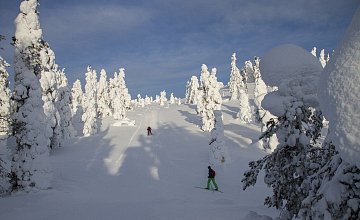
(122,173)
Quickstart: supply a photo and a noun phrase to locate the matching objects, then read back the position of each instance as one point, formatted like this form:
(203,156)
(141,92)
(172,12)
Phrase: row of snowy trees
(101,98)
(322,59)
(36,117)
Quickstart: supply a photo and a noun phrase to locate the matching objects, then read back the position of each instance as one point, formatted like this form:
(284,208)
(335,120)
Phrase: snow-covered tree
(162,98)
(90,117)
(31,167)
(172,99)
(335,189)
(5,110)
(297,127)
(77,107)
(50,92)
(235,82)
(313,51)
(121,96)
(63,104)
(218,154)
(249,70)
(147,100)
(5,116)
(77,97)
(103,95)
(193,90)
(211,99)
(322,58)
(257,74)
(244,115)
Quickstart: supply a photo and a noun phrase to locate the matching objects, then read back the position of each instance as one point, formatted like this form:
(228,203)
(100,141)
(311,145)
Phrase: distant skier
(149,130)
(211,178)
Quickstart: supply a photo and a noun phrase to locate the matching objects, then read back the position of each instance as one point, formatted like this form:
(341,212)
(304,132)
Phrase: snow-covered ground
(121,173)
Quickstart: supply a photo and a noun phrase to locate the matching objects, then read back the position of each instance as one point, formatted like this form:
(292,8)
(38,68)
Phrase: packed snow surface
(339,93)
(121,173)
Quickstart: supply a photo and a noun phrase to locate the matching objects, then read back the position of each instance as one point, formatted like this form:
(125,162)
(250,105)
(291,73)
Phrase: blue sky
(162,43)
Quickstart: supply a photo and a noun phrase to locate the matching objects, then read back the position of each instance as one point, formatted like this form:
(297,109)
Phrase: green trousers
(213,181)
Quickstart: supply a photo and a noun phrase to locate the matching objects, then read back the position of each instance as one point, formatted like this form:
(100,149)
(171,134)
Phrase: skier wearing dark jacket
(211,178)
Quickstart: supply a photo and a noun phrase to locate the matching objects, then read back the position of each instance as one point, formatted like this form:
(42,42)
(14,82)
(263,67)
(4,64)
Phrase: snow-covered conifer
(249,70)
(121,96)
(31,167)
(313,51)
(77,96)
(172,99)
(90,117)
(63,104)
(162,98)
(5,110)
(218,154)
(147,100)
(5,116)
(235,82)
(77,107)
(193,89)
(322,58)
(335,189)
(297,127)
(211,99)
(244,115)
(256,66)
(103,95)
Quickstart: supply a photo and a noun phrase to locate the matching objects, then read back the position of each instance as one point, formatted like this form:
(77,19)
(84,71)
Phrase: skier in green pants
(211,178)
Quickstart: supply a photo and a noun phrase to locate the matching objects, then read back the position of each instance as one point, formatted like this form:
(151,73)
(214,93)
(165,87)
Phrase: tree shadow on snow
(191,118)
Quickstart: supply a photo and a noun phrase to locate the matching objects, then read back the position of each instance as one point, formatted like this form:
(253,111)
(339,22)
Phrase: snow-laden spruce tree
(90,116)
(63,104)
(5,110)
(50,92)
(193,89)
(313,51)
(256,66)
(322,59)
(249,70)
(218,154)
(77,107)
(5,130)
(120,96)
(31,167)
(162,98)
(147,100)
(244,115)
(335,189)
(103,95)
(297,127)
(211,99)
(235,82)
(77,96)
(172,98)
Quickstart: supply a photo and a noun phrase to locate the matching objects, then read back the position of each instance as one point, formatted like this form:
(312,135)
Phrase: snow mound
(339,93)
(294,71)
(123,122)
(288,62)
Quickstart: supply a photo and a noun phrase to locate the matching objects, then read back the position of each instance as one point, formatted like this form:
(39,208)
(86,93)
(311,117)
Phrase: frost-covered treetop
(122,72)
(339,93)
(294,70)
(27,24)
